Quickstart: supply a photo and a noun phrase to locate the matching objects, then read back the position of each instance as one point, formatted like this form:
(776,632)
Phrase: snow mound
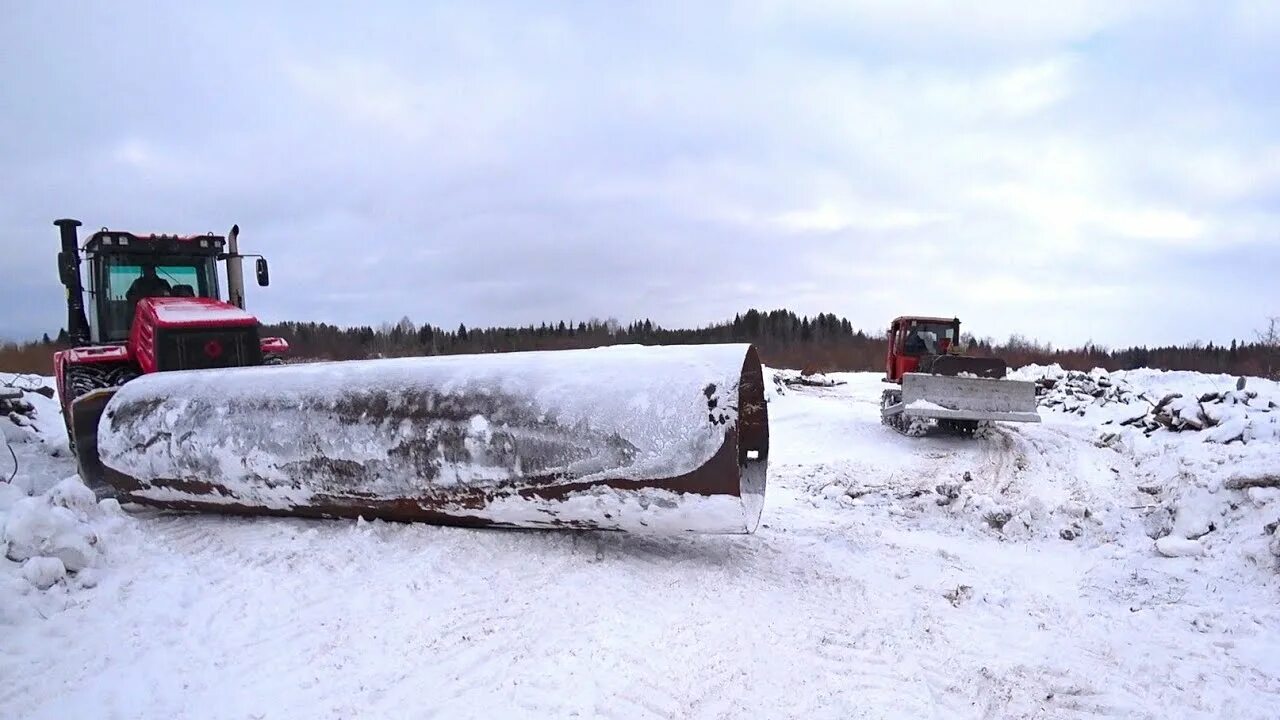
(30,417)
(1171,546)
(51,539)
(1227,415)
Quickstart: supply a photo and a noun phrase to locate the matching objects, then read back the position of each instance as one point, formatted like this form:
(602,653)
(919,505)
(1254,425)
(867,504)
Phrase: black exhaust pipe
(69,272)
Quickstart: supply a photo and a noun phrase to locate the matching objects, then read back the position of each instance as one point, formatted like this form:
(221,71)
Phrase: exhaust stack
(235,269)
(69,273)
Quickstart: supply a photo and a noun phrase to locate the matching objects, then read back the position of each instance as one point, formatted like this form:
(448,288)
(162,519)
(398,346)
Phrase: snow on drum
(629,438)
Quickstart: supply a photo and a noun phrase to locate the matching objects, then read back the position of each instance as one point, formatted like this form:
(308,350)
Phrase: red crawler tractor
(154,305)
(938,384)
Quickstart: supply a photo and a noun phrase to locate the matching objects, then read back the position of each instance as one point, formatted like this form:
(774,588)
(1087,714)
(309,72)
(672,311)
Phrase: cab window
(174,276)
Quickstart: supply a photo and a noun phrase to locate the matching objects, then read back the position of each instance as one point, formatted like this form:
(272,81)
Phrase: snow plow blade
(944,397)
(632,438)
(86,412)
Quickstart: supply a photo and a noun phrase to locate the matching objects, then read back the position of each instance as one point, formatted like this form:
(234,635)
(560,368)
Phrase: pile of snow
(30,414)
(19,396)
(49,541)
(1074,391)
(1228,415)
(51,530)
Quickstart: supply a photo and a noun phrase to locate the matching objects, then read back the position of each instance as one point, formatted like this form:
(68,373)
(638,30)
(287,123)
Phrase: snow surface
(1015,576)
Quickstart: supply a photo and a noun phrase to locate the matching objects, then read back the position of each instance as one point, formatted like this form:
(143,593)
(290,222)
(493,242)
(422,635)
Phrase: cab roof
(925,318)
(106,240)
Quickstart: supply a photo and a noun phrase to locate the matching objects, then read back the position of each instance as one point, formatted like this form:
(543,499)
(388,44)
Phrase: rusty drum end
(753,438)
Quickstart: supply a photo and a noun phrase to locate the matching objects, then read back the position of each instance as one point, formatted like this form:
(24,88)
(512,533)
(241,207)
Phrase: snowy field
(1072,569)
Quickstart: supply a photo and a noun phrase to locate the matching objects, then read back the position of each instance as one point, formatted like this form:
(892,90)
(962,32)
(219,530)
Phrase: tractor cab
(139,304)
(914,341)
(920,344)
(124,268)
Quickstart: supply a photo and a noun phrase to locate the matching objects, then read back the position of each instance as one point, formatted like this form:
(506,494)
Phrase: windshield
(928,338)
(126,279)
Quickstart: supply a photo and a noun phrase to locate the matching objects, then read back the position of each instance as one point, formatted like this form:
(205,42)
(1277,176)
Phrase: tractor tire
(82,379)
(272,360)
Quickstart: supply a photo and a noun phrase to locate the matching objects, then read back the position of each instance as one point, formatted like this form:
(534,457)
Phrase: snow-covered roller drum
(632,438)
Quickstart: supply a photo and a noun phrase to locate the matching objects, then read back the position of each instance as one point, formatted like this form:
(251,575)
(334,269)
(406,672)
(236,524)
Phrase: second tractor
(938,385)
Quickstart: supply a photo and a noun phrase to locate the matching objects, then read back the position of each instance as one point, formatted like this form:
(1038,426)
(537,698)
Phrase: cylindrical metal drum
(623,438)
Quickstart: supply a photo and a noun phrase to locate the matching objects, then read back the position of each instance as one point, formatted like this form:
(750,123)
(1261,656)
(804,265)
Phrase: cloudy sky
(1094,170)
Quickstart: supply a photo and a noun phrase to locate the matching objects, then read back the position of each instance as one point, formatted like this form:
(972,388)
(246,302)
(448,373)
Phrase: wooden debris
(1240,483)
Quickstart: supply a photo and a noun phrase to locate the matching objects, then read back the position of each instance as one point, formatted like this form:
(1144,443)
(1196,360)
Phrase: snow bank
(29,410)
(50,541)
(1156,401)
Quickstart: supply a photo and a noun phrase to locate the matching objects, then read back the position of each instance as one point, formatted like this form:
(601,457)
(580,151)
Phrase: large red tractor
(163,409)
(154,304)
(938,384)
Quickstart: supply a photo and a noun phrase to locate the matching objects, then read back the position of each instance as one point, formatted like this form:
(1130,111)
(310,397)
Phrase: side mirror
(67,269)
(264,276)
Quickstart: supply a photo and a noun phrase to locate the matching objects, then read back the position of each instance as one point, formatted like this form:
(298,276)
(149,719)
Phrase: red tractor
(940,385)
(154,305)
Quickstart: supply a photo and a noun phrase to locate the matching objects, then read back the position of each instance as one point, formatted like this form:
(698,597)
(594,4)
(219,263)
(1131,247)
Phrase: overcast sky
(1086,170)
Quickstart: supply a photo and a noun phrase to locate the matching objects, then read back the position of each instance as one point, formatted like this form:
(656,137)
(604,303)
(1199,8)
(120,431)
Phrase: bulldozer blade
(944,397)
(623,438)
(86,411)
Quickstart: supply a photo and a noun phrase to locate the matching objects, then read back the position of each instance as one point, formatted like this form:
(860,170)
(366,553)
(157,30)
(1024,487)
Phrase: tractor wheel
(82,379)
(272,360)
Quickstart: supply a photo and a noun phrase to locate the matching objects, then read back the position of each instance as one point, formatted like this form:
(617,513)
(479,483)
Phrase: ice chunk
(43,572)
(1174,546)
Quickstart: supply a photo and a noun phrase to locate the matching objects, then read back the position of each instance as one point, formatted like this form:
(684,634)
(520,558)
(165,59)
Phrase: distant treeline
(785,339)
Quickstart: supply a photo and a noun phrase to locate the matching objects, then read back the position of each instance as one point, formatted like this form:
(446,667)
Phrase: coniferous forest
(785,339)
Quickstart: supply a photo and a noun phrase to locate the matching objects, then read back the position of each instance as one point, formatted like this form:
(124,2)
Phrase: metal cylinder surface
(621,438)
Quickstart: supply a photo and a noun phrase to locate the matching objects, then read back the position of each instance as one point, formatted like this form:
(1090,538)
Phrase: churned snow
(1070,569)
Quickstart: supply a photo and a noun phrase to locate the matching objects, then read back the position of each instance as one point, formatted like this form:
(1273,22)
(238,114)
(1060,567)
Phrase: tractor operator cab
(923,337)
(139,304)
(123,268)
(932,345)
(918,336)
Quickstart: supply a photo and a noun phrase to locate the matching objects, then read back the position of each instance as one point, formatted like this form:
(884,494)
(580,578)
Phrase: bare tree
(1269,339)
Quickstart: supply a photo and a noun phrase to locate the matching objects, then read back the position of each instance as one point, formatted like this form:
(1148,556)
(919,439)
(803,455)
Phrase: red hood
(172,312)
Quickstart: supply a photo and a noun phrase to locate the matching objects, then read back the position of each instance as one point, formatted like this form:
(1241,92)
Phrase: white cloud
(494,163)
